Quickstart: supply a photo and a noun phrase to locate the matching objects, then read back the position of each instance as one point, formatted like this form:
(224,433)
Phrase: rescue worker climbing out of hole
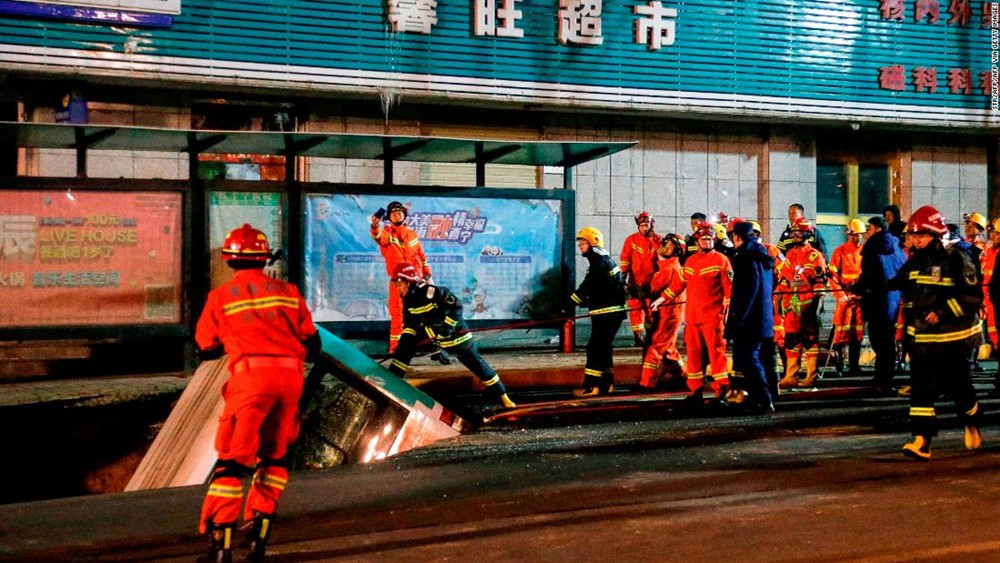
(433,312)
(264,327)
(602,291)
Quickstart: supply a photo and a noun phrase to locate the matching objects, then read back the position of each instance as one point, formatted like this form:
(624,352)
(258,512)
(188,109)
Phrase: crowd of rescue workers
(923,290)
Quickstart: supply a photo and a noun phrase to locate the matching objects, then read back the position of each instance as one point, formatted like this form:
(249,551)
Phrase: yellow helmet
(591,235)
(995,225)
(720,231)
(756,226)
(977,219)
(856,227)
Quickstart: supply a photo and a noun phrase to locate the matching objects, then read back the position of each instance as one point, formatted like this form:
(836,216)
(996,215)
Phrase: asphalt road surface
(822,481)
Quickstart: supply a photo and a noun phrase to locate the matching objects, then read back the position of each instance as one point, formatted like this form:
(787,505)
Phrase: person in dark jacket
(602,291)
(815,238)
(894,223)
(434,312)
(881,259)
(943,290)
(751,313)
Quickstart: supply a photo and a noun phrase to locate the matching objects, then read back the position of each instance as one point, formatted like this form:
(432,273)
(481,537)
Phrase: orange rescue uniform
(262,324)
(399,245)
(987,262)
(663,340)
(638,264)
(803,272)
(845,267)
(708,278)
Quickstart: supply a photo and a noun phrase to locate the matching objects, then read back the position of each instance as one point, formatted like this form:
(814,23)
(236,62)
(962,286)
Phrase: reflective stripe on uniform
(259,303)
(450,321)
(593,372)
(400,365)
(605,310)
(945,336)
(954,306)
(409,331)
(492,381)
(422,310)
(576,299)
(455,341)
(614,271)
(921,411)
(922,279)
(225,491)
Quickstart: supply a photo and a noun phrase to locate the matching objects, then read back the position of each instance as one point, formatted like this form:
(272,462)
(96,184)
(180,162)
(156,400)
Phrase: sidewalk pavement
(520,370)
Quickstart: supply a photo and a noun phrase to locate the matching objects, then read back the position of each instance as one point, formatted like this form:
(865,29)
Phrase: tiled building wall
(953,179)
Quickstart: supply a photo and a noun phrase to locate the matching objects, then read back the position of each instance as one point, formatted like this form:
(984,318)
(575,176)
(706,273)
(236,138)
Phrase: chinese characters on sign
(959,80)
(653,30)
(579,20)
(960,11)
(412,16)
(497,18)
(90,258)
(925,79)
(454,227)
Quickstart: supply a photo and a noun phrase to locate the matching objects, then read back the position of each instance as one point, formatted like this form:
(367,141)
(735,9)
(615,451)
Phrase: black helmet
(395,206)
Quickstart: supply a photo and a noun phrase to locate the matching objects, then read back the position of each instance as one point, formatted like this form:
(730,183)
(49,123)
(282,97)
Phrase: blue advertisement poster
(501,256)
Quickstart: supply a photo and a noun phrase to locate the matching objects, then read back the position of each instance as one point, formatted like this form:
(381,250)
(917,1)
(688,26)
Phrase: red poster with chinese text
(90,258)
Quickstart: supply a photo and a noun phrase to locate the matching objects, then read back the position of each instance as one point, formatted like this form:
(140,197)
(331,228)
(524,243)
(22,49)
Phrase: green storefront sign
(906,61)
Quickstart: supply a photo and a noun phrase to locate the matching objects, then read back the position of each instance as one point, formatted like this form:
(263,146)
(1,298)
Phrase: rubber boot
(854,359)
(919,448)
(639,338)
(591,382)
(220,544)
(791,379)
(607,381)
(812,368)
(506,401)
(259,534)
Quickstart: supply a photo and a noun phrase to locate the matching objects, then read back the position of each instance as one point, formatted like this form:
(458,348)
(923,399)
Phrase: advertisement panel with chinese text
(230,210)
(502,257)
(90,258)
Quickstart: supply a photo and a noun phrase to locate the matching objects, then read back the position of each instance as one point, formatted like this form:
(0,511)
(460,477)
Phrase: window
(849,190)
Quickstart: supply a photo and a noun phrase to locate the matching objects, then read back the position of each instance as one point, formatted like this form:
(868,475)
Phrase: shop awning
(326,145)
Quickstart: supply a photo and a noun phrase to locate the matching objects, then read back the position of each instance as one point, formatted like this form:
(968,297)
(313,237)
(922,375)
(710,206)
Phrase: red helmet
(927,220)
(644,217)
(802,225)
(406,272)
(704,230)
(246,243)
(732,223)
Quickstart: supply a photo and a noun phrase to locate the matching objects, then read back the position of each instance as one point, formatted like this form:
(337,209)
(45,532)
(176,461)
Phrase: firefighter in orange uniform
(848,326)
(708,278)
(399,245)
(638,260)
(667,314)
(803,272)
(264,327)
